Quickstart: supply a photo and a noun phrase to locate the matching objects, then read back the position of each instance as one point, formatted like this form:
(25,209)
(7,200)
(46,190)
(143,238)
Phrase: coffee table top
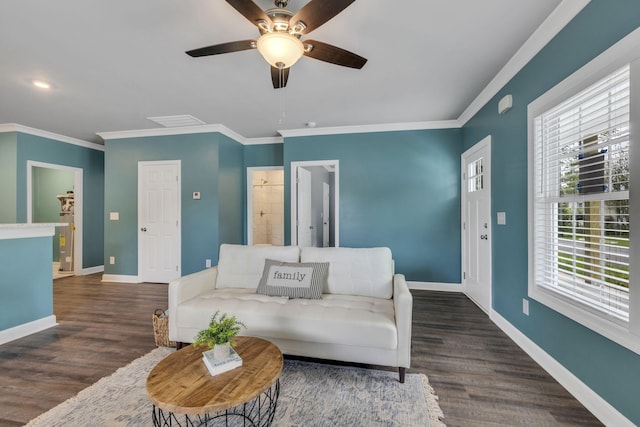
(181,382)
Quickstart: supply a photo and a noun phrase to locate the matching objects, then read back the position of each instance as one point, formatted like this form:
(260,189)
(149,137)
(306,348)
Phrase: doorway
(476,226)
(54,194)
(265,206)
(159,216)
(315,195)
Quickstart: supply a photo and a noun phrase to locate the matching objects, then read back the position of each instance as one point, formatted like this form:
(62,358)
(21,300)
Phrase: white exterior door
(159,221)
(305,228)
(476,227)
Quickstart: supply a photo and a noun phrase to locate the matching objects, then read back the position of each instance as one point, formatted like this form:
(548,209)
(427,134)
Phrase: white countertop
(27,230)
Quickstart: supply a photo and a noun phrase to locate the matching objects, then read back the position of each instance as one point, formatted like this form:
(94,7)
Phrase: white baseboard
(25,329)
(92,270)
(433,286)
(599,407)
(120,278)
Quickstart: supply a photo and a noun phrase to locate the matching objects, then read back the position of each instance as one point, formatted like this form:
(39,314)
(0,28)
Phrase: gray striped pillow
(293,279)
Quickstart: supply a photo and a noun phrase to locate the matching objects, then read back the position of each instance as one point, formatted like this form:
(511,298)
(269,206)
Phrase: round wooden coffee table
(183,392)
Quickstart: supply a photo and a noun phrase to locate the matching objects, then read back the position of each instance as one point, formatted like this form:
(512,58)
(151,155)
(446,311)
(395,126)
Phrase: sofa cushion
(293,279)
(355,271)
(334,319)
(241,266)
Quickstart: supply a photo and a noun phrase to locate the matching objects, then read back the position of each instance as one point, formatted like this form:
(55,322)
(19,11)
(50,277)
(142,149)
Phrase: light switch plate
(502,218)
(114,216)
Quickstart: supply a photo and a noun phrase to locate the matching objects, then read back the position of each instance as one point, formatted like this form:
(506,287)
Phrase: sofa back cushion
(355,271)
(241,266)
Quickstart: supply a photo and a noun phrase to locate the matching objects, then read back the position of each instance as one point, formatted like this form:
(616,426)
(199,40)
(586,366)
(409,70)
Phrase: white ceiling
(114,63)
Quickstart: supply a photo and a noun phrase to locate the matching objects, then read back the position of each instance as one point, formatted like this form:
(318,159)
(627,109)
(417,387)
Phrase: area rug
(311,394)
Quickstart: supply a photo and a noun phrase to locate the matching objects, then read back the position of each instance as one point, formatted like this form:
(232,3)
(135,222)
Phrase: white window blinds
(581,200)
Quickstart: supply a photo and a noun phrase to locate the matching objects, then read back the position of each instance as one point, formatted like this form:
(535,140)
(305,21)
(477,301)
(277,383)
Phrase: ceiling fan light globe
(280,48)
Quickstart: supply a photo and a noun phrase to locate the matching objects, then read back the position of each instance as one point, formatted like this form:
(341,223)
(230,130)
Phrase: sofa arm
(185,288)
(403,306)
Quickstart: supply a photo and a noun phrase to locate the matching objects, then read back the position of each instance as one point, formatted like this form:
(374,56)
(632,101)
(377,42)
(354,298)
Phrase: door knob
(143,229)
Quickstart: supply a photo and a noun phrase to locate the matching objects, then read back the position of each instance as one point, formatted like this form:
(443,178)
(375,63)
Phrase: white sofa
(364,314)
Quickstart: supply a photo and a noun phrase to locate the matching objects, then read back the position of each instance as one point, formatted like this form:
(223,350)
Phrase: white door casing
(305,226)
(159,215)
(476,223)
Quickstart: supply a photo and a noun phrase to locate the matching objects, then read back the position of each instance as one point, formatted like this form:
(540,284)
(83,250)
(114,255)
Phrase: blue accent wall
(91,161)
(27,281)
(8,177)
(610,370)
(16,148)
(210,164)
(231,191)
(397,189)
(263,155)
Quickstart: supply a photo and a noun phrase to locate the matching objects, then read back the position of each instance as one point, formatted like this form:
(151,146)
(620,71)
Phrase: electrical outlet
(207,263)
(525,306)
(112,260)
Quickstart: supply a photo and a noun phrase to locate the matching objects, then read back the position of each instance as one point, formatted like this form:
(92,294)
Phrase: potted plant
(219,335)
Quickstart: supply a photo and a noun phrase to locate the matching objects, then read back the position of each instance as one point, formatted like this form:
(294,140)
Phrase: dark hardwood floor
(480,375)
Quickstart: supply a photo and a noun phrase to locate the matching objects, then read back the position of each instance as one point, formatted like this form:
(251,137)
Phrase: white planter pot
(221,351)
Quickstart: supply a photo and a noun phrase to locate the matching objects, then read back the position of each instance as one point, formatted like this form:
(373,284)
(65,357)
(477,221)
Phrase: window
(580,210)
(475,176)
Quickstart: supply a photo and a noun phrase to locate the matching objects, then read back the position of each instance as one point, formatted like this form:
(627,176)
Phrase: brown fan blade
(251,11)
(279,77)
(217,49)
(335,55)
(317,12)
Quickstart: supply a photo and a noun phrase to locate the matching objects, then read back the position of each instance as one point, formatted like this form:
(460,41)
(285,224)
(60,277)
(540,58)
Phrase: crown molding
(262,141)
(387,127)
(555,22)
(181,130)
(14,127)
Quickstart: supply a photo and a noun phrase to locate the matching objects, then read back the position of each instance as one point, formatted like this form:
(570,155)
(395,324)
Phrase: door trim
(78,194)
(485,143)
(177,163)
(331,165)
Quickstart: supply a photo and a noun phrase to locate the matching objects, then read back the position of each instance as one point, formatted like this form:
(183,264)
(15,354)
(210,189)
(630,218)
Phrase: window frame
(627,51)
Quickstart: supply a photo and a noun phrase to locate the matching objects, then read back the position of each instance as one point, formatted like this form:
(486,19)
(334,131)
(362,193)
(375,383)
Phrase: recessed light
(41,84)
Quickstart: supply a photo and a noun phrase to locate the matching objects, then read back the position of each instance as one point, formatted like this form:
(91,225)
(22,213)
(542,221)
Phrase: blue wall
(16,148)
(397,189)
(609,369)
(27,281)
(220,186)
(8,176)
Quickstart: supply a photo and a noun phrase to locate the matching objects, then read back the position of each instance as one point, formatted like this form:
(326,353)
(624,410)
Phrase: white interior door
(158,221)
(476,227)
(305,227)
(326,217)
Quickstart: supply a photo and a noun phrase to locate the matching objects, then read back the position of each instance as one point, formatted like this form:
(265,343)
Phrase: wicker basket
(161,329)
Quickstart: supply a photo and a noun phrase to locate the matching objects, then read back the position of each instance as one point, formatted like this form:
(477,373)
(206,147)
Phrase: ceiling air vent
(176,121)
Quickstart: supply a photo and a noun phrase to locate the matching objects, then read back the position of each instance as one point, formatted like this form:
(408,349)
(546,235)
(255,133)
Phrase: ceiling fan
(280,40)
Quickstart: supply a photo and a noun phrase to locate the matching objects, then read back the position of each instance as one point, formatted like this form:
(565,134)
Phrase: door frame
(331,166)
(178,164)
(77,206)
(484,143)
(249,212)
